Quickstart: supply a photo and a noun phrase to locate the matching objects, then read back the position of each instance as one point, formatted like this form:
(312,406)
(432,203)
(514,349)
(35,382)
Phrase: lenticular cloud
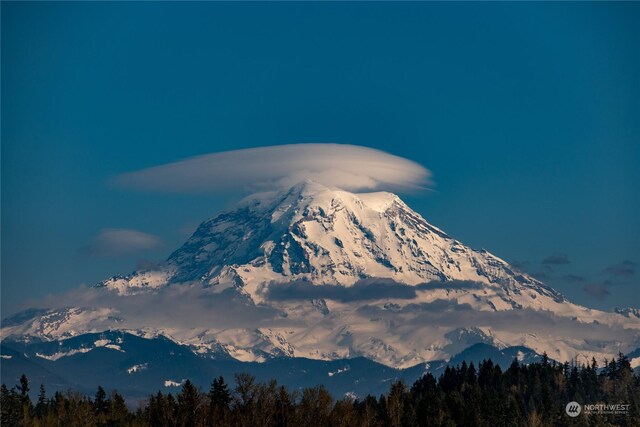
(349,167)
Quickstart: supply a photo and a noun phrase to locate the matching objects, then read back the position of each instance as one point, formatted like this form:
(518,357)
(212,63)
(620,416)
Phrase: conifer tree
(42,405)
(26,406)
(118,413)
(534,394)
(395,403)
(188,403)
(219,400)
(10,407)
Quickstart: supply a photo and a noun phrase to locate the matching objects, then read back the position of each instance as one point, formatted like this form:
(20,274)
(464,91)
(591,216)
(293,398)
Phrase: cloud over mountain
(113,242)
(202,310)
(360,291)
(349,167)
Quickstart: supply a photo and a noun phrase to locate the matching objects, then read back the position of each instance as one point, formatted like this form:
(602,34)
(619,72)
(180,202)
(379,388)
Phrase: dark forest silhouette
(522,395)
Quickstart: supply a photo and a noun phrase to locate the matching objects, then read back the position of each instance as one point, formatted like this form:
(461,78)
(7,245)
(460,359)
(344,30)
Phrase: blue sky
(528,115)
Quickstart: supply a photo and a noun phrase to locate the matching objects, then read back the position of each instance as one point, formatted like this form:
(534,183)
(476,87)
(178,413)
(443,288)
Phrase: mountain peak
(308,186)
(309,192)
(353,274)
(325,236)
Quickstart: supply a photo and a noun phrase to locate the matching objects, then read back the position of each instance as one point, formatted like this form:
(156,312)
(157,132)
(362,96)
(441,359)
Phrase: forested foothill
(464,395)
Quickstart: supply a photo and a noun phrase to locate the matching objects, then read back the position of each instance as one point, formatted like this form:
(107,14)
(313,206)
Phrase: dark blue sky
(528,115)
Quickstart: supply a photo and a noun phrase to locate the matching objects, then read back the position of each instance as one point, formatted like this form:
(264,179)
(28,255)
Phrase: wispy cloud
(450,284)
(363,290)
(573,278)
(450,314)
(349,167)
(114,242)
(556,259)
(622,269)
(184,306)
(198,308)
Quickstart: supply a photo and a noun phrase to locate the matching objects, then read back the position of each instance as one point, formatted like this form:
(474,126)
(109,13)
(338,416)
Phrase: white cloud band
(348,167)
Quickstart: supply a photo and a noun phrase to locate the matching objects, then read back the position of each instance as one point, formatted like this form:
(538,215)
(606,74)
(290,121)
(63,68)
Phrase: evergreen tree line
(522,395)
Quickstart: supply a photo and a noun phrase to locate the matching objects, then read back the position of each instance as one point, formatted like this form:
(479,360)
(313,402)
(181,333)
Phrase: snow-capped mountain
(326,274)
(325,236)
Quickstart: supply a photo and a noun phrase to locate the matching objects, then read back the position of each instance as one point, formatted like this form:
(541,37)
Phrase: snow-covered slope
(346,275)
(324,236)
